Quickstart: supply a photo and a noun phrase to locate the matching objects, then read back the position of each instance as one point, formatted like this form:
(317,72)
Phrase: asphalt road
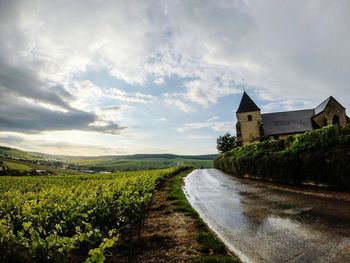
(260,223)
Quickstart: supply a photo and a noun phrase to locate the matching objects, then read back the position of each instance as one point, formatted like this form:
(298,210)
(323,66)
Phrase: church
(253,126)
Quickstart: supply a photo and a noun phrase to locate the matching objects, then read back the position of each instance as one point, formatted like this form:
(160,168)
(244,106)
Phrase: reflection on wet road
(263,224)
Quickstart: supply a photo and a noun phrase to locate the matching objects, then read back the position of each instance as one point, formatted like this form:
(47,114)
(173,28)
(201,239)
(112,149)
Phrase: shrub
(319,156)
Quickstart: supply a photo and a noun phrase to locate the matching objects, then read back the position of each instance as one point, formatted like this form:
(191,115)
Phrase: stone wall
(249,123)
(327,116)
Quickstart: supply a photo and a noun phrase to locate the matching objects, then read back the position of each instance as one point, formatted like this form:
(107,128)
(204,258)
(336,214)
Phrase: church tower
(249,121)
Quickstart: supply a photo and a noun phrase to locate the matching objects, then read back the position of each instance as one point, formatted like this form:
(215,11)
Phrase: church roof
(247,104)
(322,106)
(287,122)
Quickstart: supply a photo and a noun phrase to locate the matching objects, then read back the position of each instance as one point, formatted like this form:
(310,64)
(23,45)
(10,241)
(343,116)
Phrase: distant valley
(23,161)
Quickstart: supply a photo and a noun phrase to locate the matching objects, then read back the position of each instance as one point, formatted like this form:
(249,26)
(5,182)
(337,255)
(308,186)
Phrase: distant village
(54,164)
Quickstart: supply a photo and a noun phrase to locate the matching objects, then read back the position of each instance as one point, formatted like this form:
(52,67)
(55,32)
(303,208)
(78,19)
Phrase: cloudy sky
(95,77)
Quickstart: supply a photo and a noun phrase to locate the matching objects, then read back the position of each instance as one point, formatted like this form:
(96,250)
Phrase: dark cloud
(110,128)
(20,115)
(25,82)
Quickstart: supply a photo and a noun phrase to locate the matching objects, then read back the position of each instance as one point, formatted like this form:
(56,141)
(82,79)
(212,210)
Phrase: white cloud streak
(212,124)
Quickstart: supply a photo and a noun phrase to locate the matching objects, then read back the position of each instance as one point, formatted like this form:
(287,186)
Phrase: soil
(167,235)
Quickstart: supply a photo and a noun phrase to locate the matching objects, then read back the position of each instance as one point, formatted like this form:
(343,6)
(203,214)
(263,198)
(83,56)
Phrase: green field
(55,163)
(7,151)
(70,218)
(141,162)
(17,166)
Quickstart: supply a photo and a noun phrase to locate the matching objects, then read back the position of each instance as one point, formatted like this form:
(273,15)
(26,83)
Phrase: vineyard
(73,217)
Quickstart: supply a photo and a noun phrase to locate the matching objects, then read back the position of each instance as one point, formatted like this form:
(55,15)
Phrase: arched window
(335,120)
(250,117)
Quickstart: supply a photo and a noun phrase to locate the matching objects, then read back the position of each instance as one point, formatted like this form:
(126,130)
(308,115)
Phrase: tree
(226,142)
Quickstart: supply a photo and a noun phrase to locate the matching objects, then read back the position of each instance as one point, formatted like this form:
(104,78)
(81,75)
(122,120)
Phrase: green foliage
(97,254)
(226,142)
(47,219)
(211,243)
(319,156)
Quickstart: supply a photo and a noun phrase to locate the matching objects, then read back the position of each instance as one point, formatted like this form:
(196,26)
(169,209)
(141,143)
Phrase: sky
(95,77)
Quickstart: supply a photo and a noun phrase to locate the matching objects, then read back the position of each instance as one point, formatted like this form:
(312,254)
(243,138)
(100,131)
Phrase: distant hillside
(147,156)
(12,152)
(108,163)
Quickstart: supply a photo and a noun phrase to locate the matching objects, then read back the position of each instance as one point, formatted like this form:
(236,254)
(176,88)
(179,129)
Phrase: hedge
(321,157)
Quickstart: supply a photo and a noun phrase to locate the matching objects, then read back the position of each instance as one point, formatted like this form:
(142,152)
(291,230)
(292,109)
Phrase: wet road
(260,223)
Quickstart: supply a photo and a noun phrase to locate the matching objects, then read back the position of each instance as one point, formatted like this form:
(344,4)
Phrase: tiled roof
(247,104)
(322,106)
(287,122)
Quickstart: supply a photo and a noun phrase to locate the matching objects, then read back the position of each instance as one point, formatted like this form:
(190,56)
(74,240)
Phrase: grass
(17,166)
(214,250)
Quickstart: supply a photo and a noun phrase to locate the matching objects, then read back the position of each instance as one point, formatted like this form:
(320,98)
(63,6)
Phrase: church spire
(247,104)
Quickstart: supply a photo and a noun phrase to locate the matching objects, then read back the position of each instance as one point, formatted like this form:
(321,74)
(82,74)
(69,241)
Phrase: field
(56,163)
(17,166)
(71,217)
(141,162)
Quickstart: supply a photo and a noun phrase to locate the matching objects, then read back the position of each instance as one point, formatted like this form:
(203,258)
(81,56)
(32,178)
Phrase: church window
(335,120)
(250,117)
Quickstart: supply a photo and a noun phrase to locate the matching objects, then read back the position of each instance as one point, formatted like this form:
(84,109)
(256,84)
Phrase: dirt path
(167,235)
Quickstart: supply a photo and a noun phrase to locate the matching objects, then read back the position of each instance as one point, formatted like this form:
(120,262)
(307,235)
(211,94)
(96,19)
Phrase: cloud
(76,149)
(283,49)
(182,55)
(22,115)
(126,39)
(87,93)
(55,147)
(211,123)
(178,101)
(206,93)
(109,127)
(11,139)
(159,81)
(287,105)
(24,82)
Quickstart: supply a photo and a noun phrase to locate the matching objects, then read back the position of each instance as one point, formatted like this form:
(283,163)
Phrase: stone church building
(253,126)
